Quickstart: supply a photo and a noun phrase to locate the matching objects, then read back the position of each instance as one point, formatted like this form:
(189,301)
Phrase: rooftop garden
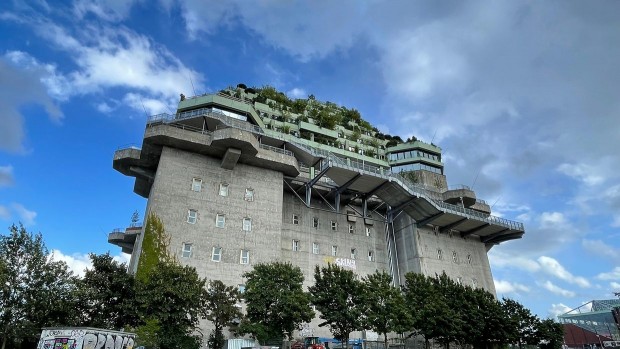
(280,107)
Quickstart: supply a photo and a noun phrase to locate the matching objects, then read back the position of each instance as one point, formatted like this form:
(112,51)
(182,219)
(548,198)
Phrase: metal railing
(276,149)
(329,159)
(234,98)
(458,187)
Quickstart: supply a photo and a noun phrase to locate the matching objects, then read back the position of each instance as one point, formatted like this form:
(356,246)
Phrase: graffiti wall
(85,338)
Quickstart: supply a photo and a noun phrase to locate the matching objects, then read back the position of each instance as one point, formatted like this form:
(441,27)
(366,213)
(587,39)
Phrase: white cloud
(612,275)
(27,86)
(558,309)
(109,10)
(297,93)
(77,262)
(499,259)
(600,248)
(503,287)
(581,172)
(4,213)
(123,258)
(6,176)
(548,285)
(553,220)
(615,286)
(26,216)
(554,268)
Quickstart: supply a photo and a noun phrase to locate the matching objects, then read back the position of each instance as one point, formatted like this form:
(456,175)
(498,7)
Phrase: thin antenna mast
(496,202)
(190,80)
(434,134)
(143,108)
(475,179)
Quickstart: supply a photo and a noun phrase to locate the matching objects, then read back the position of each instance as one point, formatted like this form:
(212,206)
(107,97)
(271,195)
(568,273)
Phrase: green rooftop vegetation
(275,105)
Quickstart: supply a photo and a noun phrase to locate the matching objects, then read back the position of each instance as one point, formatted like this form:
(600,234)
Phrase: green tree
(384,305)
(170,301)
(155,245)
(107,294)
(336,295)
(551,334)
(36,291)
(521,324)
(276,302)
(221,308)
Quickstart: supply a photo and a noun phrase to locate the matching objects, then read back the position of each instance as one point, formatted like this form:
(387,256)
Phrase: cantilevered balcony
(460,195)
(125,239)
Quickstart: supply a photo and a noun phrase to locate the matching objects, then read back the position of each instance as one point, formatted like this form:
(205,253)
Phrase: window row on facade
(223,189)
(332,224)
(216,253)
(220,220)
(455,256)
(316,249)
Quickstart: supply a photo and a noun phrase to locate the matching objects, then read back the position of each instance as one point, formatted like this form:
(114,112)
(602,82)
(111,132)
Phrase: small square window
(220,220)
(315,248)
(371,256)
(468,259)
(439,254)
(353,253)
(454,256)
(367,231)
(315,222)
(187,250)
(192,215)
(223,189)
(247,224)
(295,245)
(459,280)
(334,225)
(295,219)
(249,194)
(216,254)
(351,229)
(245,257)
(334,250)
(474,283)
(196,184)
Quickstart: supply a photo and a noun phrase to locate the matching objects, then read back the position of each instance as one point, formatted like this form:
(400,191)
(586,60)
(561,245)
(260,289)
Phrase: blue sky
(521,95)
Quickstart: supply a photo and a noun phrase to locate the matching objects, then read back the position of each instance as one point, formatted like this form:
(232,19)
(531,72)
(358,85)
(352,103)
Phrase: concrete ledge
(230,158)
(454,197)
(234,138)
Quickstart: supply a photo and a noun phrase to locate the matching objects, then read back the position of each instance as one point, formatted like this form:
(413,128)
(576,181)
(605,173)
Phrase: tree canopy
(337,295)
(36,291)
(276,302)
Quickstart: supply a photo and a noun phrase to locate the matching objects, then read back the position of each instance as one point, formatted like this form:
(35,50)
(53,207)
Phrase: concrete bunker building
(239,179)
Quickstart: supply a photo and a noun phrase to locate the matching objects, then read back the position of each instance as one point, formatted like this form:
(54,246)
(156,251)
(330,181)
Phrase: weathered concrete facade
(232,194)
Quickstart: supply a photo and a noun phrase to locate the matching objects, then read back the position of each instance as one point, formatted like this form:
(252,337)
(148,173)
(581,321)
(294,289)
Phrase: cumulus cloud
(505,287)
(581,172)
(4,213)
(554,268)
(558,309)
(612,275)
(26,216)
(549,286)
(77,262)
(297,93)
(6,176)
(600,248)
(27,87)
(500,259)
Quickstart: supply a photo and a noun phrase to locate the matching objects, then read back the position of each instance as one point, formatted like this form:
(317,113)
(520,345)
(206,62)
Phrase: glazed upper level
(355,140)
